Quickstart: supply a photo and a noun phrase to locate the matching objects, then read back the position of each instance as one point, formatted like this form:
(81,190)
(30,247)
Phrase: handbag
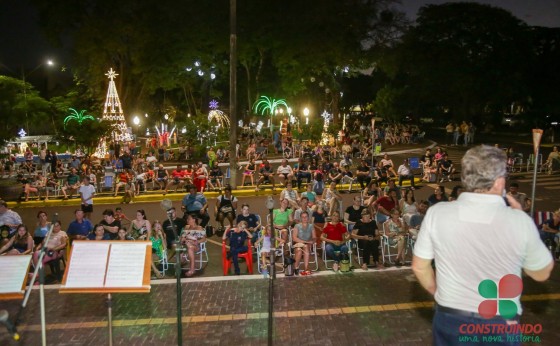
(226,209)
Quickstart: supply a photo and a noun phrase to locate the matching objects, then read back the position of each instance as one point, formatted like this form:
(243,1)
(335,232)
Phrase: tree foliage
(153,45)
(20,108)
(467,58)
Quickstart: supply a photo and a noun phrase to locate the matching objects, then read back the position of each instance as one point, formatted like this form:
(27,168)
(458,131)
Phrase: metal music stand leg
(110,317)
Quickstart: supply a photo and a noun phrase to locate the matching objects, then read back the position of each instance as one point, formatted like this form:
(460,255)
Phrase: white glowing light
(200,73)
(197,63)
(188,69)
(22,133)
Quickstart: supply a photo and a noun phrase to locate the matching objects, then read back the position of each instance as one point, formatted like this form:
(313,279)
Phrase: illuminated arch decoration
(217,115)
(77,116)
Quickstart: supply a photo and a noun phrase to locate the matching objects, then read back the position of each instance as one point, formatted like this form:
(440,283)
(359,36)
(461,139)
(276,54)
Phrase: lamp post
(136,122)
(23,76)
(272,271)
(306,114)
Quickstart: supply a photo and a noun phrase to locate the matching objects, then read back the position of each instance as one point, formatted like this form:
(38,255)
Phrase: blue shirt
(76,228)
(237,240)
(194,203)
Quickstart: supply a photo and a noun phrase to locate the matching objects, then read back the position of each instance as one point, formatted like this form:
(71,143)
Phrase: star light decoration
(22,133)
(215,114)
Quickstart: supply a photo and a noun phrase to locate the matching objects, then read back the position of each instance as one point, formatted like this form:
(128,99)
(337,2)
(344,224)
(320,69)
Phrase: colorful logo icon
(498,298)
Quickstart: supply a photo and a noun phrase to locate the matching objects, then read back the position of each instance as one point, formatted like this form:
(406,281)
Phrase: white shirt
(477,238)
(284,169)
(403,170)
(87,191)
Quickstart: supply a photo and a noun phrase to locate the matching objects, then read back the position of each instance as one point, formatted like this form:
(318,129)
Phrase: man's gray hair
(481,166)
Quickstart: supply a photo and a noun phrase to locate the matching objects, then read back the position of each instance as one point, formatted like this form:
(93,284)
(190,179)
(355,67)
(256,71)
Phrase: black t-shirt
(445,163)
(363,168)
(366,229)
(127,161)
(353,214)
(266,170)
(116,223)
(251,220)
(168,229)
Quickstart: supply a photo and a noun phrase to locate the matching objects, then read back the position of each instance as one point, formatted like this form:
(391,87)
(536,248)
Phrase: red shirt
(123,177)
(335,232)
(177,174)
(386,202)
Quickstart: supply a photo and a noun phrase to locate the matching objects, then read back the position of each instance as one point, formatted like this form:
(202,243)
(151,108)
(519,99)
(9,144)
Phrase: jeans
(331,250)
(234,256)
(301,175)
(450,329)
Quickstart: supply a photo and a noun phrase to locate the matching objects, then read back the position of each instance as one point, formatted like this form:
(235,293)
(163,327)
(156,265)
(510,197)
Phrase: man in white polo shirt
(478,241)
(87,192)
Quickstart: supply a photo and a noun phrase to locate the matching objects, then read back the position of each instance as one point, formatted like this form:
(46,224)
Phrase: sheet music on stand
(108,266)
(14,276)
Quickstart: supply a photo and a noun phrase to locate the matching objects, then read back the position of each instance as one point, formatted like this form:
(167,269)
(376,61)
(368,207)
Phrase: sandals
(190,273)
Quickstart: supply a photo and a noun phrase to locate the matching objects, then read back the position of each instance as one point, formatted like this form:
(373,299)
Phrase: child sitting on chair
(265,250)
(237,237)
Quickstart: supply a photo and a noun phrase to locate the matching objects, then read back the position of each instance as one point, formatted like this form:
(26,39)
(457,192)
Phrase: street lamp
(49,62)
(136,122)
(306,114)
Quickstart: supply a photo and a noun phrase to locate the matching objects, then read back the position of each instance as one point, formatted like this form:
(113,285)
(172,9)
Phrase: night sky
(22,43)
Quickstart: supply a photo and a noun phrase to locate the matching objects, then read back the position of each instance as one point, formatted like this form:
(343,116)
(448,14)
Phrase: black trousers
(369,248)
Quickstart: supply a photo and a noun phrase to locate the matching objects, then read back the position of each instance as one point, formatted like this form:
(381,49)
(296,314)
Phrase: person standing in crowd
(87,192)
(504,239)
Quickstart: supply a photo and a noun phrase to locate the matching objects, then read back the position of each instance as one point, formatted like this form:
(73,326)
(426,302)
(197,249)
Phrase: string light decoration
(113,113)
(75,116)
(215,114)
(267,104)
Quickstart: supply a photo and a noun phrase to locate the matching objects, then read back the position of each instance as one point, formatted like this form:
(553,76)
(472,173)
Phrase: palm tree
(266,103)
(79,117)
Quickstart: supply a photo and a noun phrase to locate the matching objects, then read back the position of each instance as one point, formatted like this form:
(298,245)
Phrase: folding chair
(200,257)
(326,260)
(388,250)
(312,254)
(279,246)
(531,162)
(163,262)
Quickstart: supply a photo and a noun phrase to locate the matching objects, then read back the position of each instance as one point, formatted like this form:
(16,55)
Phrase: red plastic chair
(248,256)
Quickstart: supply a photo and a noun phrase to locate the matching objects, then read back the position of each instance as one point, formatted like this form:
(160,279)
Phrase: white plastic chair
(164,262)
(327,260)
(313,255)
(200,257)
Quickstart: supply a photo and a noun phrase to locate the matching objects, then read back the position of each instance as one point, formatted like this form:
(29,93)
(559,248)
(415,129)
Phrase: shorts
(87,208)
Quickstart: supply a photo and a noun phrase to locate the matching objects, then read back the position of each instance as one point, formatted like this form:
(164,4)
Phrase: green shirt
(281,217)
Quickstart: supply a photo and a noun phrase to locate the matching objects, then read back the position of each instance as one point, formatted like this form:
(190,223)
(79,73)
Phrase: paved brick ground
(383,307)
